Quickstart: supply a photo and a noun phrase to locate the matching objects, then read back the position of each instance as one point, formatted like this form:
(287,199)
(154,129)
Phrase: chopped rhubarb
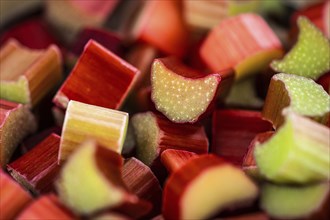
(183,94)
(38,168)
(291,93)
(310,55)
(16,122)
(68,17)
(324,81)
(297,153)
(99,169)
(245,43)
(250,216)
(99,78)
(46,207)
(160,24)
(155,133)
(293,202)
(82,121)
(175,159)
(233,130)
(204,186)
(37,73)
(141,181)
(13,198)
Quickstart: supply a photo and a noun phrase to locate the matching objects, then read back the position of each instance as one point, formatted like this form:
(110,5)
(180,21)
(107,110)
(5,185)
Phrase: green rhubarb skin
(292,202)
(306,97)
(296,153)
(310,57)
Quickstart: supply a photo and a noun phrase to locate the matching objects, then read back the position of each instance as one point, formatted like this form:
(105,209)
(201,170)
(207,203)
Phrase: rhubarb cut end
(179,98)
(147,133)
(292,202)
(310,56)
(16,91)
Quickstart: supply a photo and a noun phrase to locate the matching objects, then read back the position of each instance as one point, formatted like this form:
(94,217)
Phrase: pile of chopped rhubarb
(165,109)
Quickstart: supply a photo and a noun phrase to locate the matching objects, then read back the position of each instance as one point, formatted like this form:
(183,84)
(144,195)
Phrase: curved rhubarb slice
(154,134)
(99,78)
(91,181)
(182,94)
(16,122)
(204,186)
(290,93)
(83,121)
(28,75)
(310,55)
(293,202)
(245,43)
(297,153)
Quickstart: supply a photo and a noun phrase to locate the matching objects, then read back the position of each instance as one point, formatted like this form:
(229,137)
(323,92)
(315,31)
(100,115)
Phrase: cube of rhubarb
(38,168)
(68,17)
(161,24)
(99,169)
(310,55)
(204,186)
(13,198)
(244,42)
(99,78)
(233,130)
(155,133)
(291,93)
(183,94)
(46,207)
(28,75)
(293,202)
(16,122)
(297,153)
(82,121)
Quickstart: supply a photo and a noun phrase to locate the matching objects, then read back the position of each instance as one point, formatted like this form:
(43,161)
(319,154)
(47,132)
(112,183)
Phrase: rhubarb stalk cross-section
(82,121)
(99,78)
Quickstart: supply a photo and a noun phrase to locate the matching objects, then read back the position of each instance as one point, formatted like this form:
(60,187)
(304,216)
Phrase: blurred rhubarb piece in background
(244,42)
(99,78)
(16,122)
(28,75)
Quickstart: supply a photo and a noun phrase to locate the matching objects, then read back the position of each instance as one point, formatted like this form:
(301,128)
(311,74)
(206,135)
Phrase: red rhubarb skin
(178,183)
(39,166)
(175,159)
(233,131)
(99,78)
(236,39)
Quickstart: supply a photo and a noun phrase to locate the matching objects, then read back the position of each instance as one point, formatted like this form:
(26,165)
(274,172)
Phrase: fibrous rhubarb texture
(181,93)
(99,78)
(155,133)
(91,181)
(175,159)
(204,186)
(161,24)
(141,181)
(297,153)
(46,207)
(291,93)
(82,121)
(28,75)
(310,55)
(245,43)
(12,197)
(69,16)
(233,130)
(38,168)
(16,122)
(293,202)
(209,13)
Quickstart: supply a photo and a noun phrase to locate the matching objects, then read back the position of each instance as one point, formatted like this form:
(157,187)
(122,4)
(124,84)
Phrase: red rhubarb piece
(175,159)
(99,78)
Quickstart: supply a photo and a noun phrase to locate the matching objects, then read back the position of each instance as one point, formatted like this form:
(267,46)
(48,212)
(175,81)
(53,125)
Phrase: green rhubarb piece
(310,56)
(297,153)
(297,94)
(292,202)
